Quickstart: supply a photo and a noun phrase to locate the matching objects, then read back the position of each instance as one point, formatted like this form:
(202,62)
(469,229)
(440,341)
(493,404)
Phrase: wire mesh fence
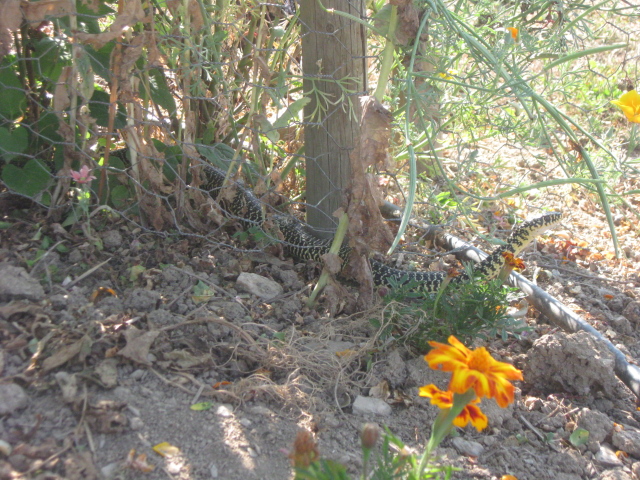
(274,90)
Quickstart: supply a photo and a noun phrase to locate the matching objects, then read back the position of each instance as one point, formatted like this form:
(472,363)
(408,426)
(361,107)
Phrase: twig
(87,273)
(537,433)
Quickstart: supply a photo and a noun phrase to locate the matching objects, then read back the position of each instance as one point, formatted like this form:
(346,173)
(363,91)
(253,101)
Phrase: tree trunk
(333,61)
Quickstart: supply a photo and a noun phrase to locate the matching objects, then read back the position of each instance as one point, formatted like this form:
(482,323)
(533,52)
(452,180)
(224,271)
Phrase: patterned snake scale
(300,244)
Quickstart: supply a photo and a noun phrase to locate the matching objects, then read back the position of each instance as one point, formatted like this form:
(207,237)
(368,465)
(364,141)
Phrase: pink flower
(83,176)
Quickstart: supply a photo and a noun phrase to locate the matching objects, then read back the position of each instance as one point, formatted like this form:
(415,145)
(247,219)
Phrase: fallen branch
(548,305)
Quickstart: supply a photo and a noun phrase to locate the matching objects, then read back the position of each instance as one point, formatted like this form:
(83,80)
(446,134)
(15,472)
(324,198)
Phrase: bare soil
(112,363)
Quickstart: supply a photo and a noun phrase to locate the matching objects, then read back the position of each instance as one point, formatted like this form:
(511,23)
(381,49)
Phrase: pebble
(467,447)
(607,457)
(371,406)
(224,411)
(258,285)
(213,470)
(16,284)
(628,441)
(12,398)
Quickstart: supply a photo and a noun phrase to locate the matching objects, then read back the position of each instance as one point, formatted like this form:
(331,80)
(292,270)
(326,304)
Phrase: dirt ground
(99,362)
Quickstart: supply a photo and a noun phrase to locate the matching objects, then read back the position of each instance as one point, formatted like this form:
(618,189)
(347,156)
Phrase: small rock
(596,423)
(136,423)
(142,300)
(607,457)
(213,470)
(371,406)
(496,416)
(137,374)
(628,441)
(245,422)
(617,474)
(224,411)
(12,398)
(258,285)
(395,369)
(632,312)
(635,470)
(467,447)
(5,448)
(112,239)
(16,284)
(109,471)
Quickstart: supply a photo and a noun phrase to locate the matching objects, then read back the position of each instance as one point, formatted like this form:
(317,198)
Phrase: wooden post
(333,60)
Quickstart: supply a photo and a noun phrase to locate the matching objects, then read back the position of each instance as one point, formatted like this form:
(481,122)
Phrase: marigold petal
(440,398)
(471,413)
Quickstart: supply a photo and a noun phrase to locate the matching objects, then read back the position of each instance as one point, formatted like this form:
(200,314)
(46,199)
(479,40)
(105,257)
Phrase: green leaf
(13,142)
(14,100)
(120,196)
(99,108)
(202,292)
(30,180)
(199,407)
(580,436)
(291,112)
(160,92)
(51,58)
(218,154)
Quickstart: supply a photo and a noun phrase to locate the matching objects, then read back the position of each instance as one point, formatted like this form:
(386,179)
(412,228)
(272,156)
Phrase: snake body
(302,245)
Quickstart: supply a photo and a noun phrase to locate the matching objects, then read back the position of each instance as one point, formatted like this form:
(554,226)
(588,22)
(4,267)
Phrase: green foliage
(466,310)
(392,460)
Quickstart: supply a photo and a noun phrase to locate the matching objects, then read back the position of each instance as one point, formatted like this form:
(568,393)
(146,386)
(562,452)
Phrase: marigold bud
(370,435)
(305,450)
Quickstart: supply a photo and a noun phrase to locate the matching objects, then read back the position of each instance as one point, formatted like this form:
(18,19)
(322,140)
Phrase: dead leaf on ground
(80,466)
(80,347)
(105,416)
(69,386)
(107,372)
(138,344)
(184,359)
(138,463)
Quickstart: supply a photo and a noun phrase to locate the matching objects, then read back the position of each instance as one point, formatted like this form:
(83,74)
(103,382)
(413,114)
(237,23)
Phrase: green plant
(466,310)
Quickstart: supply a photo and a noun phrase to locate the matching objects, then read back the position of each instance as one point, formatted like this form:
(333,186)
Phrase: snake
(302,245)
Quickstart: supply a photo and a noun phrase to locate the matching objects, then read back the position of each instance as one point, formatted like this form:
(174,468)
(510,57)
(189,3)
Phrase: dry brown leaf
(367,229)
(332,262)
(132,13)
(61,100)
(105,416)
(79,347)
(138,344)
(10,20)
(36,12)
(80,466)
(107,372)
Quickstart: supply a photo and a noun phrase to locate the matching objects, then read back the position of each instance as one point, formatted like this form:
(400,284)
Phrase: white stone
(258,285)
(371,406)
(467,447)
(607,457)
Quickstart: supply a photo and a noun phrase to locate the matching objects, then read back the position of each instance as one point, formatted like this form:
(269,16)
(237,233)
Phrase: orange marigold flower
(514,32)
(630,105)
(513,261)
(474,369)
(444,399)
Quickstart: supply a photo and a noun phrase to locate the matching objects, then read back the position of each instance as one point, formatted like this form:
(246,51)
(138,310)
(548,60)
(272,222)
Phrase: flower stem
(443,425)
